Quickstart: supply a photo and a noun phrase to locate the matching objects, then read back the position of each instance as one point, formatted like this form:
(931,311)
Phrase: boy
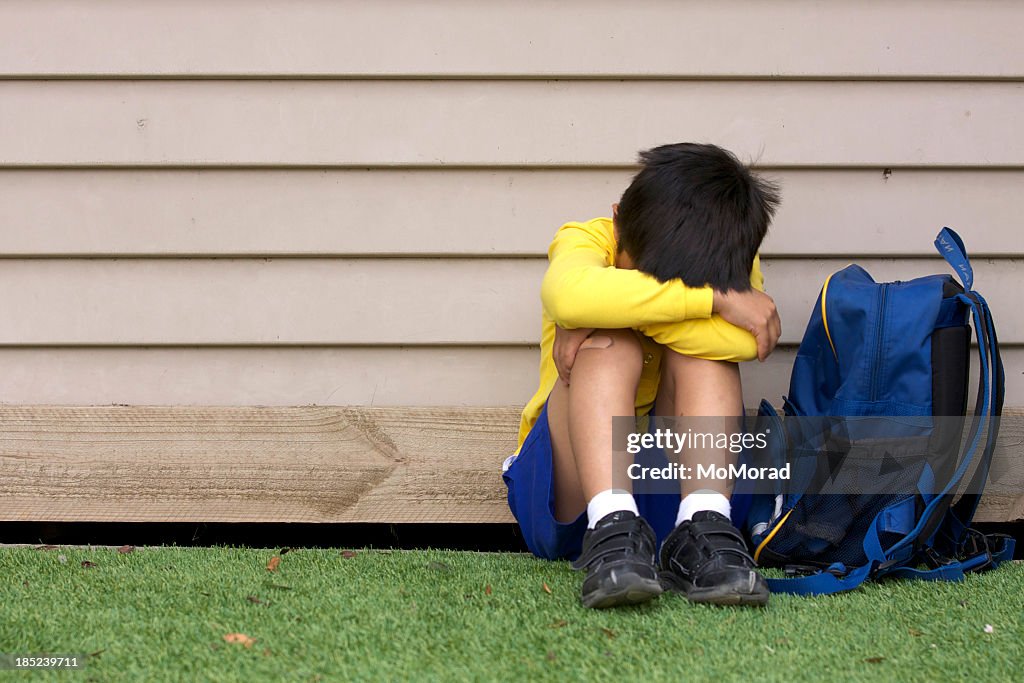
(651,309)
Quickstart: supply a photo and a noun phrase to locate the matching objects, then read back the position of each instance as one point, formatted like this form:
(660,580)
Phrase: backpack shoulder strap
(997,548)
(987,407)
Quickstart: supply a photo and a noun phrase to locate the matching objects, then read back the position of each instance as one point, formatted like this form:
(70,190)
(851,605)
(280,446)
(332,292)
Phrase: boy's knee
(675,361)
(683,371)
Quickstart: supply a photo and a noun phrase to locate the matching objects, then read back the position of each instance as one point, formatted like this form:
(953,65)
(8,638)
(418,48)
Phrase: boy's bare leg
(709,391)
(603,385)
(705,557)
(618,548)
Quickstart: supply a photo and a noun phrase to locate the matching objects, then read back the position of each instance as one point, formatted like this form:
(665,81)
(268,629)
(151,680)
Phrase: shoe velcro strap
(735,551)
(613,544)
(717,529)
(597,554)
(709,548)
(616,538)
(636,528)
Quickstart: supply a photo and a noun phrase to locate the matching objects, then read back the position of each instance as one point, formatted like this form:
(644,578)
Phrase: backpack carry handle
(952,249)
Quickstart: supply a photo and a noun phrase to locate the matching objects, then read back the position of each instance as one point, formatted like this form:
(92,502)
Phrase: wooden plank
(359,301)
(300,464)
(381,376)
(253,464)
(484,212)
(529,123)
(646,38)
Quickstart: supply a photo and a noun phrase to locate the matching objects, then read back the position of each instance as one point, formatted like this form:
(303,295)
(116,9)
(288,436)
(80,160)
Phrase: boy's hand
(753,311)
(567,343)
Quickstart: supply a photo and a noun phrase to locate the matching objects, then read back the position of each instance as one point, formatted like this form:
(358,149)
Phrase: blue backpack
(874,467)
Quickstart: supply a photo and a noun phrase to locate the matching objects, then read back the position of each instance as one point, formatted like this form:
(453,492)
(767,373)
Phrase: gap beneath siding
(480,537)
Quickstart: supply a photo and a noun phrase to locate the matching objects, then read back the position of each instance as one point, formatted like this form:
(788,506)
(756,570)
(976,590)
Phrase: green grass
(161,614)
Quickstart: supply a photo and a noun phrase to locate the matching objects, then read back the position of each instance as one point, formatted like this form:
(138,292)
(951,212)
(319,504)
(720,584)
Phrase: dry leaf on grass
(348,554)
(487,589)
(608,632)
(87,564)
(547,588)
(875,660)
(272,564)
(558,624)
(239,638)
(914,632)
(125,549)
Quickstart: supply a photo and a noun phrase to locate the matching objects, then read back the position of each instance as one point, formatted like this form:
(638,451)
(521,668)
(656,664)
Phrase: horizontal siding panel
(367,123)
(268,376)
(467,212)
(358,301)
(641,38)
(394,376)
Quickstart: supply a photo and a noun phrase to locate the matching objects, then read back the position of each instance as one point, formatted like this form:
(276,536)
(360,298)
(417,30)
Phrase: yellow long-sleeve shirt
(583,288)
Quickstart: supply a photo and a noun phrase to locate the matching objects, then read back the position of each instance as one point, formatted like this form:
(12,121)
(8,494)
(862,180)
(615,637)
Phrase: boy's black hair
(697,213)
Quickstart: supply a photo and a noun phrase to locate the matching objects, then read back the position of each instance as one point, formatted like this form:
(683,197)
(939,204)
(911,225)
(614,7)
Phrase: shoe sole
(728,594)
(632,589)
(714,596)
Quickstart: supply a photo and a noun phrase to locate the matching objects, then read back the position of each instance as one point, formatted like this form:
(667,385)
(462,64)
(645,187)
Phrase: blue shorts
(531,497)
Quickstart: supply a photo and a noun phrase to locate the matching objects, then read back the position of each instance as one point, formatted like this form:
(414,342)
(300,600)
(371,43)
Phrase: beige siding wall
(350,202)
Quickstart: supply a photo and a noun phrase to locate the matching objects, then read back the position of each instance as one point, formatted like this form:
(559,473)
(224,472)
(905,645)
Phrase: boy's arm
(716,339)
(580,289)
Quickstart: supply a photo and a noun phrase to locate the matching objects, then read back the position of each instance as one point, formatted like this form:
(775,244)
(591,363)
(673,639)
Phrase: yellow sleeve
(714,338)
(582,288)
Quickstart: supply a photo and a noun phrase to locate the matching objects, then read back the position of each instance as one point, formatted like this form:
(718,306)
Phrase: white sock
(705,499)
(607,502)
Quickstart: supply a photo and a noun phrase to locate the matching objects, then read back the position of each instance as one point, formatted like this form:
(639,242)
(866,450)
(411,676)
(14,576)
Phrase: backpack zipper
(883,290)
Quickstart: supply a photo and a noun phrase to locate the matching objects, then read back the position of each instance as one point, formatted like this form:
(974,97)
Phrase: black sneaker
(707,559)
(618,554)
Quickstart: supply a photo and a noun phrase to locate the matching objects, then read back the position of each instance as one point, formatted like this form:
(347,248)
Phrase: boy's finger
(762,345)
(563,368)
